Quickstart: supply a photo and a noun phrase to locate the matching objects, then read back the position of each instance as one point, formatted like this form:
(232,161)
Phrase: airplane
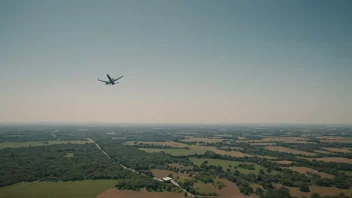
(111,80)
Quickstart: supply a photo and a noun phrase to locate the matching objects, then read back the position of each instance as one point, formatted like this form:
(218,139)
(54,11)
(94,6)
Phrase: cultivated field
(225,164)
(288,150)
(305,170)
(158,173)
(218,151)
(323,152)
(333,159)
(338,150)
(170,143)
(230,188)
(69,155)
(277,139)
(180,166)
(114,193)
(284,162)
(208,139)
(194,149)
(76,189)
(175,152)
(323,191)
(39,143)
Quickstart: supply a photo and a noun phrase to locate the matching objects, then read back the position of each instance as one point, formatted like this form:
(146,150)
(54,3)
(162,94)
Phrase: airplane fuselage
(110,79)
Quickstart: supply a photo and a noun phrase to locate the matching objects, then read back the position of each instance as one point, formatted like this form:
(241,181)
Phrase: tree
(315,195)
(304,187)
(259,191)
(261,171)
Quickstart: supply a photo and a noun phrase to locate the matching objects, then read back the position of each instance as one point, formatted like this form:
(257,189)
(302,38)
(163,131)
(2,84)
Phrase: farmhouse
(167,179)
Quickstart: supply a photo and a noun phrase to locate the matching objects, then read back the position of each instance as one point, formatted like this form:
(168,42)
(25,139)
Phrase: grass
(348,173)
(338,150)
(69,155)
(76,189)
(323,191)
(194,149)
(277,139)
(39,143)
(284,162)
(208,140)
(225,164)
(288,150)
(175,152)
(333,159)
(170,143)
(305,170)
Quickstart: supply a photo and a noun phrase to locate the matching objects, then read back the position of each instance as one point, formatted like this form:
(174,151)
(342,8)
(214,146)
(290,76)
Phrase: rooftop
(167,178)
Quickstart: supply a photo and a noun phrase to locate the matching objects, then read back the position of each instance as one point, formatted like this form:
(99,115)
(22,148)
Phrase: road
(172,181)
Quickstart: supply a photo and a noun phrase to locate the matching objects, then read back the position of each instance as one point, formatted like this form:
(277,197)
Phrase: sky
(182,61)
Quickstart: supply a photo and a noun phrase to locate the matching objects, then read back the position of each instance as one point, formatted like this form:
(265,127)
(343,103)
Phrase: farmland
(170,143)
(209,163)
(76,189)
(284,162)
(323,191)
(226,164)
(208,140)
(338,150)
(113,193)
(39,143)
(288,150)
(305,170)
(165,173)
(333,159)
(175,152)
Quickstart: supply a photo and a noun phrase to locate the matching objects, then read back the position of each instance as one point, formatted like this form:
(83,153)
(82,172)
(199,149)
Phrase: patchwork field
(323,152)
(76,189)
(218,151)
(333,159)
(278,139)
(208,139)
(69,155)
(284,162)
(337,139)
(288,150)
(230,188)
(175,152)
(338,150)
(194,149)
(323,191)
(255,186)
(305,170)
(170,143)
(225,164)
(180,166)
(114,193)
(158,173)
(40,143)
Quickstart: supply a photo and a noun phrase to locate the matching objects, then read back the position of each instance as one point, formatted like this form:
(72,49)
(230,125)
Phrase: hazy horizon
(229,62)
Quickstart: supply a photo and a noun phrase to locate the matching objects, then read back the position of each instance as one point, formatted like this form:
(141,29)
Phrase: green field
(175,152)
(69,155)
(225,164)
(348,173)
(76,189)
(39,143)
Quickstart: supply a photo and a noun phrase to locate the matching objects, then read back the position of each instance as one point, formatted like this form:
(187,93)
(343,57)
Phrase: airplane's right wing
(117,78)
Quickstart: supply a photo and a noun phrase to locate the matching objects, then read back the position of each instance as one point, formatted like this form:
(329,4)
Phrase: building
(167,179)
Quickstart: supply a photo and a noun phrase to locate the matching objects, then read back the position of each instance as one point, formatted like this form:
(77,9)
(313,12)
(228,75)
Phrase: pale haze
(182,61)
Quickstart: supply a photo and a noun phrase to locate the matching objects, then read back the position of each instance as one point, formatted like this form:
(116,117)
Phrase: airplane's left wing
(102,81)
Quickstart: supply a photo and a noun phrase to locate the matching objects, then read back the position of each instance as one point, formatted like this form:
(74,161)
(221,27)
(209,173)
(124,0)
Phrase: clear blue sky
(183,61)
